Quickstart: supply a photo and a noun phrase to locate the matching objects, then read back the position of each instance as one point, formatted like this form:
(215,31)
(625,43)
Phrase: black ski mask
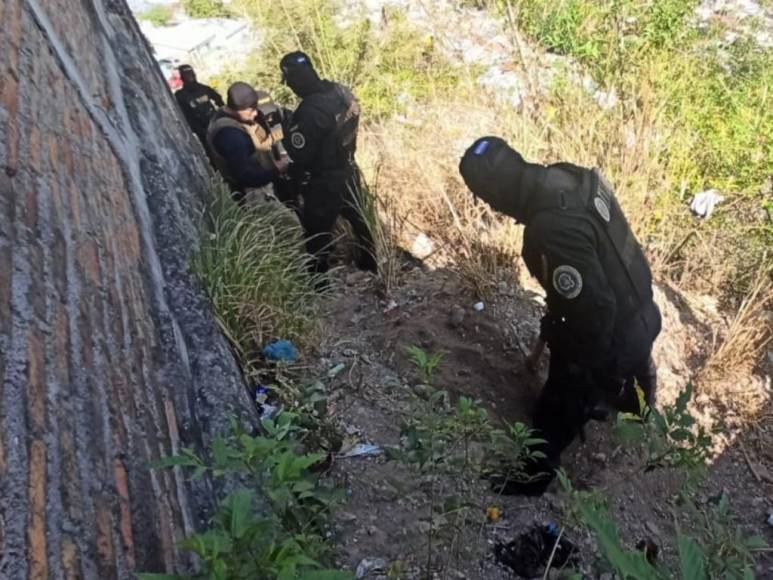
(493,171)
(299,74)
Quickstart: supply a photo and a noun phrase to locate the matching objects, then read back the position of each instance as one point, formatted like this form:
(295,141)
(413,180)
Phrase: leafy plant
(157,14)
(717,549)
(425,363)
(671,436)
(511,450)
(205,8)
(276,532)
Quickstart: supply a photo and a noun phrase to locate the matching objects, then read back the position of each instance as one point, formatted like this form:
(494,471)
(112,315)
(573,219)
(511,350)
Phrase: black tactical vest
(339,146)
(573,190)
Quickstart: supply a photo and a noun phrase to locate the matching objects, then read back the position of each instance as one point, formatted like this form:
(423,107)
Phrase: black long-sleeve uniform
(322,144)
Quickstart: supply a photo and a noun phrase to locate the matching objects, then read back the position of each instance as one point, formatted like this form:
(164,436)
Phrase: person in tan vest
(243,150)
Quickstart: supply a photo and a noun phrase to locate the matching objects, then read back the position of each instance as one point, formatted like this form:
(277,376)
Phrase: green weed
(715,549)
(253,265)
(205,8)
(157,14)
(275,527)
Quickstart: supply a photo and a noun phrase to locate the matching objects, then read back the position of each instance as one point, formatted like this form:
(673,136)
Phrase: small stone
(422,246)
(371,565)
(423,527)
(599,457)
(347,517)
(349,352)
(652,528)
(423,391)
(456,316)
(764,473)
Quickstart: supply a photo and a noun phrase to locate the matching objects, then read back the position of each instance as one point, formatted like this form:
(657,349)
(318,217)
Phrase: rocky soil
(385,522)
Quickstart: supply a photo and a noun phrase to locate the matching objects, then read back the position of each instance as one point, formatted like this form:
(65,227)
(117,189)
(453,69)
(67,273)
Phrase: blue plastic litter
(281,350)
(552,528)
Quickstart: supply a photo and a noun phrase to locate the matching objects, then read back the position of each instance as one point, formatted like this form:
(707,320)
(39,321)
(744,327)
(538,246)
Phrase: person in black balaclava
(601,320)
(322,143)
(198,102)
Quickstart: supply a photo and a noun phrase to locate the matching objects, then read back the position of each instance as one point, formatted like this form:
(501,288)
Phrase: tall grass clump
(253,265)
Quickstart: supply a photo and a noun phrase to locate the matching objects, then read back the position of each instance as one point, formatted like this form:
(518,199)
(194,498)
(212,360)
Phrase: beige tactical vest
(261,139)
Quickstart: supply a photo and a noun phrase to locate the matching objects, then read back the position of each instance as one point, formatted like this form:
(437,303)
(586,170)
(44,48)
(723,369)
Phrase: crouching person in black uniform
(322,141)
(601,319)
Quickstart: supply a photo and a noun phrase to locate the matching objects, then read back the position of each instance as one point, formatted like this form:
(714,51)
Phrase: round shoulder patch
(567,281)
(602,208)
(298,140)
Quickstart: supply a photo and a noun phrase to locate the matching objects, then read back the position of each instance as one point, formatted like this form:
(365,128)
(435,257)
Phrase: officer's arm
(236,148)
(215,96)
(305,137)
(581,303)
(183,104)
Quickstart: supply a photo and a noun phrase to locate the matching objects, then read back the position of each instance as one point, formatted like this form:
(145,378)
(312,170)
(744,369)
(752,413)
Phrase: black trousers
(570,393)
(324,201)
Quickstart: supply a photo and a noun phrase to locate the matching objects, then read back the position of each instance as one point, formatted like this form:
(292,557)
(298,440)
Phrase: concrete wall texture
(109,356)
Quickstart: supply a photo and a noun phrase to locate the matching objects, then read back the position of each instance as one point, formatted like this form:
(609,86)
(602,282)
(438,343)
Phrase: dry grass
(748,333)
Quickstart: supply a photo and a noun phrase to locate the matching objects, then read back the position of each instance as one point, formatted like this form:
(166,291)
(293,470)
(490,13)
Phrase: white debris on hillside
(739,18)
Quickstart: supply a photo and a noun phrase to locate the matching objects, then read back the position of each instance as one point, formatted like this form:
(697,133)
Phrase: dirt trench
(386,514)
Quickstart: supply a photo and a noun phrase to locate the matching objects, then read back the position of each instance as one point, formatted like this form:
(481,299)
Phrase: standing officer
(245,150)
(322,143)
(601,319)
(197,101)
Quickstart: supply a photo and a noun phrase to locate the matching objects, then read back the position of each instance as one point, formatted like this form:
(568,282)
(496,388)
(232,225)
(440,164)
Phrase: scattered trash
(702,204)
(479,306)
(649,548)
(336,370)
(266,410)
(281,350)
(493,514)
(391,305)
(261,394)
(368,565)
(528,554)
(422,246)
(364,450)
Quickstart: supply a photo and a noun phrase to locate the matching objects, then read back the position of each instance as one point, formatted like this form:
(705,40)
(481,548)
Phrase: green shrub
(205,8)
(255,269)
(158,15)
(274,527)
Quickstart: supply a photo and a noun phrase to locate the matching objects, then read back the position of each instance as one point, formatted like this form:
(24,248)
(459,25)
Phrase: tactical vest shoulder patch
(567,281)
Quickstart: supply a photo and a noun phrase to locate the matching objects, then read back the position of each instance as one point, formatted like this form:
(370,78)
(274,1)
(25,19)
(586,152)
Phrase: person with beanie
(197,101)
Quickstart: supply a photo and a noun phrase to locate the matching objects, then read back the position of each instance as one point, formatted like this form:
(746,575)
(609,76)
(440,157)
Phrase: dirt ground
(386,514)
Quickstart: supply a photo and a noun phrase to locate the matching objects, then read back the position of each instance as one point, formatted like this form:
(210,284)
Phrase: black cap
(183,68)
(241,96)
(492,170)
(294,61)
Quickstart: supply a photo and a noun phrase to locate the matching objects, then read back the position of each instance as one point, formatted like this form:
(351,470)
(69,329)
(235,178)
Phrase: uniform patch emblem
(567,281)
(602,208)
(298,140)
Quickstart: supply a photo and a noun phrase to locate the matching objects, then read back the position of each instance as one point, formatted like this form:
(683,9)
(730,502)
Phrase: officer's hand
(282,164)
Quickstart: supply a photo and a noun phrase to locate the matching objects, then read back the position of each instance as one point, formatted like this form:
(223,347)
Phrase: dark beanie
(492,170)
(241,96)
